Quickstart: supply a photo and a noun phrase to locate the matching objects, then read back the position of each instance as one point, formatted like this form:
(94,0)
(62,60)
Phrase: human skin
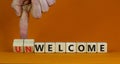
(23,7)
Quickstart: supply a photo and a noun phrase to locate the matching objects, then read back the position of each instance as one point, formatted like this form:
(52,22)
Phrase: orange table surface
(58,58)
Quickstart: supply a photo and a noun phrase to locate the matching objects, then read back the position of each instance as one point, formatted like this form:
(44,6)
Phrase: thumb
(24,24)
(16,5)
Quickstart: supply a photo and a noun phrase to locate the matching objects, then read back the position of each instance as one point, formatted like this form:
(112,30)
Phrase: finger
(16,5)
(44,5)
(51,2)
(36,9)
(24,25)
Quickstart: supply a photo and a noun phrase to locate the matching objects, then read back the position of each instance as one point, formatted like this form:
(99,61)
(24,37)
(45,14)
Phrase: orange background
(67,20)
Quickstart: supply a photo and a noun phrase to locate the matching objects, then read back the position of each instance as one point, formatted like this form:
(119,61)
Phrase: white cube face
(29,45)
(18,45)
(102,47)
(50,47)
(39,47)
(81,47)
(28,42)
(60,47)
(91,47)
(18,42)
(70,47)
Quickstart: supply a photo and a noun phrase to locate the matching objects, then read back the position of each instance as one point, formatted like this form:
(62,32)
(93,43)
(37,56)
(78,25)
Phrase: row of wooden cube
(29,45)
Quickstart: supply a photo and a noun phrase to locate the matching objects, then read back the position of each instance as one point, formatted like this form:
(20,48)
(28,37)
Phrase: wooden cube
(70,47)
(28,45)
(18,45)
(39,47)
(50,47)
(60,47)
(102,47)
(81,47)
(91,47)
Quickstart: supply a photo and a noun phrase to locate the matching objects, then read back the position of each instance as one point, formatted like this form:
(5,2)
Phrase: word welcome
(28,46)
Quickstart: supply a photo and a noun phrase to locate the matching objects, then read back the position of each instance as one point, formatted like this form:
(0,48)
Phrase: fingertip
(51,2)
(37,16)
(45,10)
(44,5)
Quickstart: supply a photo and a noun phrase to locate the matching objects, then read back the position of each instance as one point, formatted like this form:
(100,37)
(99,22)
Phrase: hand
(23,7)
